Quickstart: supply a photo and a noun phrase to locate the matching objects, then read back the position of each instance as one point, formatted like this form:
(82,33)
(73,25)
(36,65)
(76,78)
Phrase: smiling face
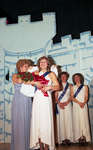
(63,77)
(43,64)
(77,79)
(24,68)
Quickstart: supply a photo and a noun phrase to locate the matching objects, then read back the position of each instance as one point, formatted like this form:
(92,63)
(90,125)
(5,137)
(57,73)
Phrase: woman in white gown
(64,115)
(79,94)
(42,128)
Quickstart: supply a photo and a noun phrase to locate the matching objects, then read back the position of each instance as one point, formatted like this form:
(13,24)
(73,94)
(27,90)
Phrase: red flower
(27,76)
(42,80)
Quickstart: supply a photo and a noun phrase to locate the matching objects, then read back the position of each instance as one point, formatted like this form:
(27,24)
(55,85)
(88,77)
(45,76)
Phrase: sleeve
(54,69)
(34,68)
(27,90)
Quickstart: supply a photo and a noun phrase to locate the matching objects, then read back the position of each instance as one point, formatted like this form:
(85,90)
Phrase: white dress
(80,117)
(64,119)
(42,119)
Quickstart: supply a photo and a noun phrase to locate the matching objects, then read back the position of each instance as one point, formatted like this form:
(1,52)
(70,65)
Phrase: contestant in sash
(79,92)
(64,111)
(42,128)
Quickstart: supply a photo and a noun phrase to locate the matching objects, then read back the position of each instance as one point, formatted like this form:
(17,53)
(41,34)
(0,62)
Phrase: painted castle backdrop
(33,40)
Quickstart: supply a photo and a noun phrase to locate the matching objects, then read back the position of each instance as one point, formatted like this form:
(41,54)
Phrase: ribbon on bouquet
(43,81)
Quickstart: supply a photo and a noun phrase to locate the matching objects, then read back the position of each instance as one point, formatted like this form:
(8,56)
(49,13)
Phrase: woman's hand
(46,88)
(20,80)
(72,97)
(66,103)
(38,85)
(81,104)
(16,79)
(61,105)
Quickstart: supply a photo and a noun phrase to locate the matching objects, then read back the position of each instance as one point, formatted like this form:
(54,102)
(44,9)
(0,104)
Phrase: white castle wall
(33,40)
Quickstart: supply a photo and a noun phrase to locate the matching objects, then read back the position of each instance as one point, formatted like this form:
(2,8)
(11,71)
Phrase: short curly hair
(21,63)
(64,73)
(81,78)
(59,79)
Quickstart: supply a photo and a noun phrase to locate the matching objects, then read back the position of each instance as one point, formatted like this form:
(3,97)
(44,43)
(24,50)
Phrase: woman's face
(24,68)
(77,79)
(63,78)
(43,64)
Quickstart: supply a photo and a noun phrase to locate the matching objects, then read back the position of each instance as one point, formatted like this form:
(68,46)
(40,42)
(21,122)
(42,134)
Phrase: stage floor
(71,147)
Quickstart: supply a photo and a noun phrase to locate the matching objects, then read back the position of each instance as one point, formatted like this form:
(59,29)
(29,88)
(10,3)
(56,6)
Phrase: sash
(64,91)
(62,95)
(44,75)
(78,90)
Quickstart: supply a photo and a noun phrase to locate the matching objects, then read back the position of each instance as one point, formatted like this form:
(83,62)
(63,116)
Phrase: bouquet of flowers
(27,76)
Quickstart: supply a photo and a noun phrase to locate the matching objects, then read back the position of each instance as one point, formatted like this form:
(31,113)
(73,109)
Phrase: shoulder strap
(61,96)
(64,91)
(78,90)
(46,73)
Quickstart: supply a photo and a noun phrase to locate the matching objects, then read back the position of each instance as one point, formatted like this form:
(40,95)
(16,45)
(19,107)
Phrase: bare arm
(86,94)
(61,105)
(72,96)
(81,104)
(56,97)
(15,79)
(55,84)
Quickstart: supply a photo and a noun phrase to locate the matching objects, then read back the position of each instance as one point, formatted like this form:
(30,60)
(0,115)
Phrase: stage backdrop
(33,40)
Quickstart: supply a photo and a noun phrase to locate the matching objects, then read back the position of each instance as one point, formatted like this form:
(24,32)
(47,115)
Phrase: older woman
(79,94)
(64,115)
(21,111)
(42,128)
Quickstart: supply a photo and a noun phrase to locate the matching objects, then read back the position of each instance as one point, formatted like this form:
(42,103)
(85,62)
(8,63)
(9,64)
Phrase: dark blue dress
(21,119)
